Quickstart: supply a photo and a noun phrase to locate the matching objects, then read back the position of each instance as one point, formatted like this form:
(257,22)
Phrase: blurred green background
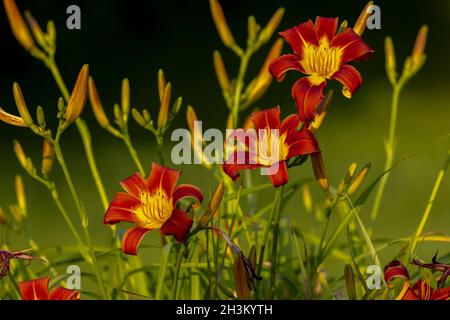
(133,39)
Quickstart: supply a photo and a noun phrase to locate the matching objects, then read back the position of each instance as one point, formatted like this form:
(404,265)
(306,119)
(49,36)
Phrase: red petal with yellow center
(232,167)
(120,208)
(178,225)
(61,293)
(326,27)
(353,46)
(283,64)
(300,36)
(281,176)
(134,185)
(302,143)
(35,289)
(162,178)
(289,125)
(187,191)
(267,119)
(350,78)
(132,239)
(307,98)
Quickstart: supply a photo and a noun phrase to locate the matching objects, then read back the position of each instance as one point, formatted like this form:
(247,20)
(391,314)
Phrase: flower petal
(132,239)
(119,209)
(395,270)
(441,294)
(162,178)
(353,46)
(134,185)
(299,36)
(267,119)
(350,78)
(178,225)
(326,27)
(61,293)
(232,166)
(283,64)
(187,191)
(289,125)
(302,143)
(307,98)
(35,289)
(281,176)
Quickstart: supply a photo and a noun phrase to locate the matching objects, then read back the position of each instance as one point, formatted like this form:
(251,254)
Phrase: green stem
(52,66)
(390,150)
(177,271)
(240,85)
(76,199)
(133,153)
(427,212)
(276,230)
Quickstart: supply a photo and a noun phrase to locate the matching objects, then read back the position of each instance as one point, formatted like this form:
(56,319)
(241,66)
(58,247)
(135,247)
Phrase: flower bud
(36,29)
(3,219)
(191,118)
(177,106)
(253,29)
(21,105)
(11,119)
(96,104)
(361,23)
(322,111)
(40,116)
(359,180)
(48,157)
(163,116)
(213,205)
(20,154)
(138,117)
(79,95)
(391,64)
(161,84)
(272,26)
(18,25)
(221,23)
(20,194)
(221,72)
(320,171)
(126,99)
(307,199)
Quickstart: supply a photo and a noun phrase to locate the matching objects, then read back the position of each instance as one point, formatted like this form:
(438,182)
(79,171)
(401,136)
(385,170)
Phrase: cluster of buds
(352,181)
(257,37)
(412,64)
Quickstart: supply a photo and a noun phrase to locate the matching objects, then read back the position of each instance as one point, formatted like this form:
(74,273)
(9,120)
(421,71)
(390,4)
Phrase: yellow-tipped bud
(161,84)
(126,99)
(163,116)
(48,157)
(322,111)
(191,118)
(391,61)
(96,104)
(359,180)
(22,106)
(38,34)
(221,72)
(253,29)
(221,23)
(79,95)
(213,205)
(272,26)
(264,78)
(418,55)
(361,23)
(20,194)
(11,119)
(350,173)
(20,154)
(307,199)
(343,26)
(320,171)
(51,33)
(3,219)
(18,25)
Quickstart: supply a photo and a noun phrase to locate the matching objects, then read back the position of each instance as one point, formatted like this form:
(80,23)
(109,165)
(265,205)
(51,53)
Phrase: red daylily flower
(322,54)
(271,146)
(421,290)
(152,204)
(38,290)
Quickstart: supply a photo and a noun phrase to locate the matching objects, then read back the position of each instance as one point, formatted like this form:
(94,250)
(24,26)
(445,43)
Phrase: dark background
(134,38)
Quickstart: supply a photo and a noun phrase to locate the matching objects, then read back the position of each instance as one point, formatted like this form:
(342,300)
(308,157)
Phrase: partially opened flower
(271,146)
(322,53)
(421,290)
(152,204)
(39,290)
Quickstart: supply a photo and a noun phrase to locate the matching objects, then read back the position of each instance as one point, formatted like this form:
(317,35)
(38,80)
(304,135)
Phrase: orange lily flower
(271,146)
(38,290)
(152,204)
(421,290)
(321,53)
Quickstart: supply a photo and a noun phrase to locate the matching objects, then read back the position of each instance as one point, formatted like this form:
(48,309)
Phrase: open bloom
(38,290)
(421,290)
(272,145)
(322,54)
(152,204)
